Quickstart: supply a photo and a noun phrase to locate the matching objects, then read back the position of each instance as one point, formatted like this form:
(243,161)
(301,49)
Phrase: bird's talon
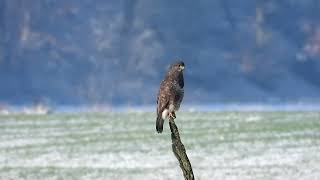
(172,115)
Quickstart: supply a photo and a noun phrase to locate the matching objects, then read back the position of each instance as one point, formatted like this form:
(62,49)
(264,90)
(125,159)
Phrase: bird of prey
(170,94)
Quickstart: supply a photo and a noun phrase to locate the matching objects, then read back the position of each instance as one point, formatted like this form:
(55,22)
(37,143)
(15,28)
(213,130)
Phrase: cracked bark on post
(180,152)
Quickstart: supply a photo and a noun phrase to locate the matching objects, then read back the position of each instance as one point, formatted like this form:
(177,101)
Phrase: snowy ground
(220,145)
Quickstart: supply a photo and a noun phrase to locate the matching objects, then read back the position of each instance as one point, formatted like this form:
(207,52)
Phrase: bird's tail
(159,124)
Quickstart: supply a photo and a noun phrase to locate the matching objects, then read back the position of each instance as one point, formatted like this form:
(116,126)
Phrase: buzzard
(170,94)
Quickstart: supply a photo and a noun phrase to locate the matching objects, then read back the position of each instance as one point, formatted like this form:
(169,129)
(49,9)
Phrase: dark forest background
(116,52)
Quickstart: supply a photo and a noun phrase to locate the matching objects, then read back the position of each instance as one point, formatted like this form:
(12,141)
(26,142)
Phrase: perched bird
(170,94)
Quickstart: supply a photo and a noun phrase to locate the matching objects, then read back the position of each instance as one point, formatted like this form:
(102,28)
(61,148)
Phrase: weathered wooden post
(180,152)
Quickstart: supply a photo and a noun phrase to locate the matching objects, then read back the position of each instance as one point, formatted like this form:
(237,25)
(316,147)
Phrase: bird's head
(177,66)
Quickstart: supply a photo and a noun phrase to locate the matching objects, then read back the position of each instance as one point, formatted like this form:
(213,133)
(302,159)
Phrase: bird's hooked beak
(181,68)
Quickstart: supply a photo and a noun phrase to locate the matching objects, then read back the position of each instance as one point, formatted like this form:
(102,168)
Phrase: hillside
(116,52)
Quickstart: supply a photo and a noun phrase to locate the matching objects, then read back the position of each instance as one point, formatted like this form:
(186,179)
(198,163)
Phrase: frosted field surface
(220,145)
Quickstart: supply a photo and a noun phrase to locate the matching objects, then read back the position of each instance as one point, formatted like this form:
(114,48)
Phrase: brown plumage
(170,94)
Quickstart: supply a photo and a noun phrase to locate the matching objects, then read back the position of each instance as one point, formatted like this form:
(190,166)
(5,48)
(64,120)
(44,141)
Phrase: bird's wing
(163,96)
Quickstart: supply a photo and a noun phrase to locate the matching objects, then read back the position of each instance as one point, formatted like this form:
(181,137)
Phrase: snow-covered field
(220,145)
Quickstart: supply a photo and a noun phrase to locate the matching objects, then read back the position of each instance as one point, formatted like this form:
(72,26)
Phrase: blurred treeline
(116,51)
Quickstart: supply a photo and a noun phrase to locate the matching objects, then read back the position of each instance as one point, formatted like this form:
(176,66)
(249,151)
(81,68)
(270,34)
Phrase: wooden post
(180,152)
